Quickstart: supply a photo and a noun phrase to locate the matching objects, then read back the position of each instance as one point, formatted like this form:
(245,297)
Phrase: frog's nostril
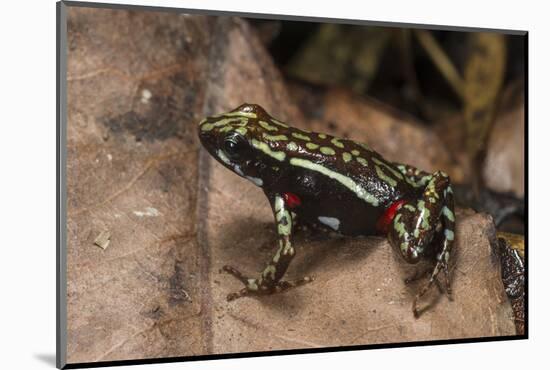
(245,108)
(249,108)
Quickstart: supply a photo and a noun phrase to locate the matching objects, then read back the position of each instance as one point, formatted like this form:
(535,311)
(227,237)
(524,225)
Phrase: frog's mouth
(235,167)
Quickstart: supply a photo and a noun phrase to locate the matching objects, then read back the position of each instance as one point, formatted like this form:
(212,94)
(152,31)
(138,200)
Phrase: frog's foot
(261,287)
(419,274)
(440,265)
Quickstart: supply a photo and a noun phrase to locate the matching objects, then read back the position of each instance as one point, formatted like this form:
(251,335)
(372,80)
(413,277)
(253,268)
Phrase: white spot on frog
(331,222)
(145,96)
(238,170)
(257,181)
(149,212)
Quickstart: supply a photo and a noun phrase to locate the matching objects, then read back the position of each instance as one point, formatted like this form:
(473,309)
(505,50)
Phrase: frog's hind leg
(415,225)
(443,256)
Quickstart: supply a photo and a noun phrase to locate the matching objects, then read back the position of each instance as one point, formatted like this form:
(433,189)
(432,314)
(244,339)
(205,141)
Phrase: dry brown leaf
(136,86)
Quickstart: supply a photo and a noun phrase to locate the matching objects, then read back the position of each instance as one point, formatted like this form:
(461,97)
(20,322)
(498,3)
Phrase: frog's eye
(235,145)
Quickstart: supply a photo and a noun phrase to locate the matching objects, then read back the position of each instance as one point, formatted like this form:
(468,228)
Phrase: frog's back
(340,180)
(352,164)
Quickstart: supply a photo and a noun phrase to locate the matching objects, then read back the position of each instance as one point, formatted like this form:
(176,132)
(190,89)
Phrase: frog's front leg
(415,225)
(270,281)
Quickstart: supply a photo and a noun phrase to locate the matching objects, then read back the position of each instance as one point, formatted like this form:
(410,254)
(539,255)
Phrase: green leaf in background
(483,75)
(341,55)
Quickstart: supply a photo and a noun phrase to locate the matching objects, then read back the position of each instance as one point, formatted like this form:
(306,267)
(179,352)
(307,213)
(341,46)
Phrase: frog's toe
(236,273)
(440,265)
(419,295)
(447,280)
(241,293)
(286,285)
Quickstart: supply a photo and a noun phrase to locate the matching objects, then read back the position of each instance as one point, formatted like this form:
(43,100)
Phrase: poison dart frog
(338,184)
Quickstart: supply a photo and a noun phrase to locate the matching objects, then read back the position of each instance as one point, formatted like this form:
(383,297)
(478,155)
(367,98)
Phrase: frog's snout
(251,108)
(206,134)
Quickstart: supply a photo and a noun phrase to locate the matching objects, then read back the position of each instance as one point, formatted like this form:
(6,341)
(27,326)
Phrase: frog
(332,183)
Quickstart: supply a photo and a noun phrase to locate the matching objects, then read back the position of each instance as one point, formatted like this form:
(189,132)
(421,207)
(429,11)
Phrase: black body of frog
(318,179)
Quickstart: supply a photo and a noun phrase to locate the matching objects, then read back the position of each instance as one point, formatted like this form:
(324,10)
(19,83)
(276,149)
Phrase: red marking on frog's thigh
(291,200)
(384,222)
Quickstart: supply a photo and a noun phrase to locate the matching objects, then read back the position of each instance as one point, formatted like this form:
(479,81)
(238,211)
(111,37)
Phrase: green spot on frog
(346,157)
(362,160)
(392,170)
(385,177)
(364,146)
(284,228)
(415,184)
(355,152)
(399,226)
(269,272)
(210,125)
(327,150)
(448,213)
(336,142)
(241,130)
(267,126)
(277,255)
(279,123)
(275,137)
(280,156)
(424,214)
(252,284)
(292,146)
(322,136)
(312,146)
(300,136)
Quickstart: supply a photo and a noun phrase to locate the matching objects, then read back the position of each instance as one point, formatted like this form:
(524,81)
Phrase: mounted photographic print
(244,184)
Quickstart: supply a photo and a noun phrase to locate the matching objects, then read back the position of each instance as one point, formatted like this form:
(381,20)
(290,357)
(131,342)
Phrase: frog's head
(245,140)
